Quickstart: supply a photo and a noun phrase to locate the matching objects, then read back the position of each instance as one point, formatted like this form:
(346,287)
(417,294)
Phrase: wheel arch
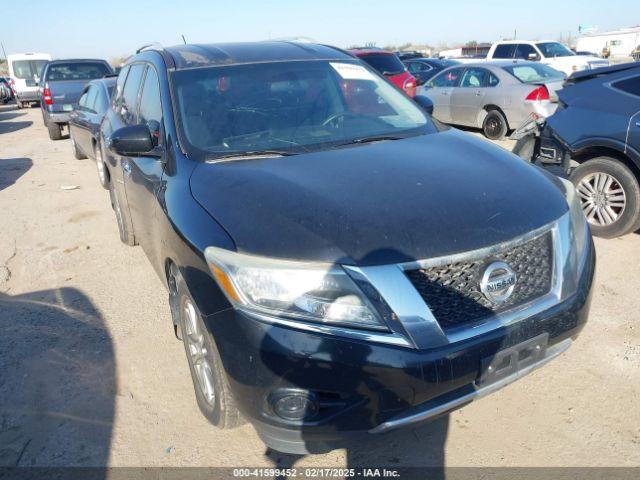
(488,108)
(591,151)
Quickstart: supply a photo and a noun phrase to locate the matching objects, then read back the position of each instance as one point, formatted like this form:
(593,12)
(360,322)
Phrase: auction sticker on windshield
(349,71)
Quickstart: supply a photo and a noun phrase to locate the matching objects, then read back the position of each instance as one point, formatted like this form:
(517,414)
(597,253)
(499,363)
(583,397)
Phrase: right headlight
(312,292)
(579,225)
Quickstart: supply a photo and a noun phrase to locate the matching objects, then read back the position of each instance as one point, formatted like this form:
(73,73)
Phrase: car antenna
(184,39)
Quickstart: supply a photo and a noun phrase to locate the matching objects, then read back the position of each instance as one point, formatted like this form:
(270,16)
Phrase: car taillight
(409,86)
(539,94)
(46,94)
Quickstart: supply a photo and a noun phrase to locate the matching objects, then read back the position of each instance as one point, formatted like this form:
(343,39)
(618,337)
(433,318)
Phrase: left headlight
(315,292)
(579,224)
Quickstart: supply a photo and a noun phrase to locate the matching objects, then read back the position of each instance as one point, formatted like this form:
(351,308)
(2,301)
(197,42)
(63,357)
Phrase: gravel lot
(91,373)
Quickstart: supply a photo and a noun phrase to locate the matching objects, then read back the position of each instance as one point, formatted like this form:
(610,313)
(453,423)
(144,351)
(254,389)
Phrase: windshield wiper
(251,154)
(371,139)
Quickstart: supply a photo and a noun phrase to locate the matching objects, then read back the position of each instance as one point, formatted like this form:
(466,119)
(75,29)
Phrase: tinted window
(76,71)
(384,63)
(504,50)
(534,72)
(523,50)
(150,105)
(474,77)
(418,67)
(630,85)
(130,91)
(83,99)
(122,76)
(493,80)
(102,101)
(292,106)
(91,97)
(448,78)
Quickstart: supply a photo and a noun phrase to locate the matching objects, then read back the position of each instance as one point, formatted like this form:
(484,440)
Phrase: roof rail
(154,45)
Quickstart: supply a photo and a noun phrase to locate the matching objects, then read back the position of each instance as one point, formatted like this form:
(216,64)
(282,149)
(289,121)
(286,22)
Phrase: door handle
(478,93)
(126,168)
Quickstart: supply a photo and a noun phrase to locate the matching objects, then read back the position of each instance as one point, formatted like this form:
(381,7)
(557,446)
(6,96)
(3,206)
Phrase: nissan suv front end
(338,263)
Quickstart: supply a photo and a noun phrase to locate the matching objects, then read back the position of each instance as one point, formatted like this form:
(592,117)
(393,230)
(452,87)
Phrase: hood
(381,203)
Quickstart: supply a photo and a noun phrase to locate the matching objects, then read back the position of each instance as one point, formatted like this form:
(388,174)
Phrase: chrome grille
(453,294)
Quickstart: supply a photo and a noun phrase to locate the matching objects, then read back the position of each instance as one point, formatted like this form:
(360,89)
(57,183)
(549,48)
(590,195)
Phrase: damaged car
(338,263)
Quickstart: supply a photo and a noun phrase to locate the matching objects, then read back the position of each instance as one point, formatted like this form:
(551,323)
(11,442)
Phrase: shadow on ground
(57,381)
(11,169)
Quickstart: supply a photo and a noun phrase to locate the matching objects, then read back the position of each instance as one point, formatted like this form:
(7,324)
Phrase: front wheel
(77,153)
(210,383)
(124,227)
(103,173)
(610,196)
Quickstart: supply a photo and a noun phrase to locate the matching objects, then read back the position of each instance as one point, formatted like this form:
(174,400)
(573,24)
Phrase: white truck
(24,72)
(548,52)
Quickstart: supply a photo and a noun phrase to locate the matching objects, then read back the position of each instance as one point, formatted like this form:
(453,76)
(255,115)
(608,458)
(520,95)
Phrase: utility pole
(3,50)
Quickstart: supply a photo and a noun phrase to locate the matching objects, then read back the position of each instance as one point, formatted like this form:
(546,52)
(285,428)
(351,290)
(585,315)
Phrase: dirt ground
(91,374)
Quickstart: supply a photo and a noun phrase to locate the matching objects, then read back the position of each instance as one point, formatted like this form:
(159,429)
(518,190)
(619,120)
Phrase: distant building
(616,43)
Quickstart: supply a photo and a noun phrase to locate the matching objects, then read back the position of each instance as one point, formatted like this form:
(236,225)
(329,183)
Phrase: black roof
(189,56)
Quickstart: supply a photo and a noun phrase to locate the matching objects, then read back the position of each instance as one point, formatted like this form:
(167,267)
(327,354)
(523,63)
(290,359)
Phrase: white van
(24,72)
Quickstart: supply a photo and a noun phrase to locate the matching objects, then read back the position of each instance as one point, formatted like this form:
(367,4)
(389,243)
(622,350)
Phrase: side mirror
(425,103)
(132,141)
(534,57)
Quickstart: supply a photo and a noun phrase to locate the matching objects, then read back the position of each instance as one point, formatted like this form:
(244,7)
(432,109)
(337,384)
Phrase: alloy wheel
(603,198)
(198,354)
(100,166)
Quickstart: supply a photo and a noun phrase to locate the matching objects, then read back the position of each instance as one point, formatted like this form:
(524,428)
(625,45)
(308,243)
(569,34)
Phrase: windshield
(534,73)
(76,71)
(27,69)
(554,49)
(289,107)
(384,63)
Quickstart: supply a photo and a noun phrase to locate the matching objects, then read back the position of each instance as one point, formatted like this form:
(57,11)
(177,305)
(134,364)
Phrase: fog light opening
(294,405)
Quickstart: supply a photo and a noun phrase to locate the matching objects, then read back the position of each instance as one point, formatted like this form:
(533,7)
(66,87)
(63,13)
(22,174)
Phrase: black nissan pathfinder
(338,263)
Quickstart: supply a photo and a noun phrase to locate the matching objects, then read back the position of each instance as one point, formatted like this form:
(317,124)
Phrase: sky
(112,28)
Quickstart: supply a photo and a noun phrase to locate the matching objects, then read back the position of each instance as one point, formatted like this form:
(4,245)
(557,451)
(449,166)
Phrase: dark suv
(338,264)
(594,138)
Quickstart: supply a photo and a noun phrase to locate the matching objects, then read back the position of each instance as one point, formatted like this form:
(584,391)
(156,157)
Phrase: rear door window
(629,85)
(505,50)
(474,78)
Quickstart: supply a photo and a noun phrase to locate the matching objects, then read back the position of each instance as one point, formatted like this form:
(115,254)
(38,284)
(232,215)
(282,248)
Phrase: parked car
(337,263)
(85,120)
(62,83)
(24,74)
(5,90)
(547,52)
(406,55)
(389,65)
(495,97)
(594,138)
(424,69)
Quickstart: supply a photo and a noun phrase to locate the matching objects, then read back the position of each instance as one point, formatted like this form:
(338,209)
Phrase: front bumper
(364,387)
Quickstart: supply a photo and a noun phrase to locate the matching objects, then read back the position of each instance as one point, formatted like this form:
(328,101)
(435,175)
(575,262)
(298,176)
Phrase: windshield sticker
(348,71)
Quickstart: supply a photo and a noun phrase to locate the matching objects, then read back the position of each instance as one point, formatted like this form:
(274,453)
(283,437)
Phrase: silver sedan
(494,96)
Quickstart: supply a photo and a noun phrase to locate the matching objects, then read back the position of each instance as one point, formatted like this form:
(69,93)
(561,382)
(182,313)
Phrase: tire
(76,151)
(18,103)
(55,132)
(610,196)
(125,228)
(495,125)
(103,173)
(210,383)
